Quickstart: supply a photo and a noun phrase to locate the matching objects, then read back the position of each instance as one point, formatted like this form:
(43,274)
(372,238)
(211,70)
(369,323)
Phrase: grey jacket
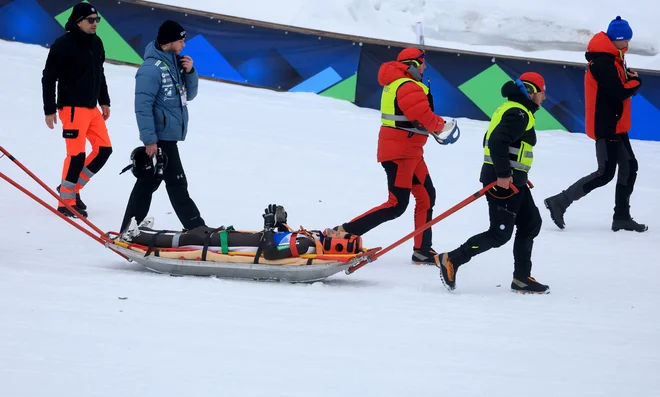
(160,113)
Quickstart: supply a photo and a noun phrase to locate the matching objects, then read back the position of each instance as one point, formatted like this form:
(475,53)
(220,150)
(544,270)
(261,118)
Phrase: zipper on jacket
(73,111)
(181,93)
(96,91)
(172,74)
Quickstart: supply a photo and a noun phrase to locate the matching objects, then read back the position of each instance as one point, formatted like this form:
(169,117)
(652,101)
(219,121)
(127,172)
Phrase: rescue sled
(237,267)
(299,262)
(229,253)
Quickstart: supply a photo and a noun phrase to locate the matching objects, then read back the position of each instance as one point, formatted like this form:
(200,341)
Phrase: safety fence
(286,58)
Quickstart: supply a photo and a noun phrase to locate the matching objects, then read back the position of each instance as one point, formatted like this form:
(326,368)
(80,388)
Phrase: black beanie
(80,11)
(170,32)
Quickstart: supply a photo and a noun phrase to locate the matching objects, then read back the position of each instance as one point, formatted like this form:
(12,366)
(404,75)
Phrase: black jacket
(607,96)
(510,132)
(607,89)
(75,62)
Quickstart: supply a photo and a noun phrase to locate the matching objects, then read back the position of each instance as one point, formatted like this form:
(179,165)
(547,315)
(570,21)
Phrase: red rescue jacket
(607,89)
(394,143)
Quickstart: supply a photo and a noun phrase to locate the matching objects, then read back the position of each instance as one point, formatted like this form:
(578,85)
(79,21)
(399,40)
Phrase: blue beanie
(619,30)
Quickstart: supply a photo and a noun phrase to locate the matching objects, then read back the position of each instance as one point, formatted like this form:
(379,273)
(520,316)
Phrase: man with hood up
(407,120)
(609,86)
(508,156)
(164,84)
(75,63)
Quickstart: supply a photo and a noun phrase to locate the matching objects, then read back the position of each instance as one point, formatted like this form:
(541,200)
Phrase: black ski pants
(177,190)
(518,210)
(610,152)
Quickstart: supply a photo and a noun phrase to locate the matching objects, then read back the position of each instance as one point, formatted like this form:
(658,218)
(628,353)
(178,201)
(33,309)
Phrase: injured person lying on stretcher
(273,242)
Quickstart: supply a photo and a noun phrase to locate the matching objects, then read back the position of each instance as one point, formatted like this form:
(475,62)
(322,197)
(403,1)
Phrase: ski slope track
(77,320)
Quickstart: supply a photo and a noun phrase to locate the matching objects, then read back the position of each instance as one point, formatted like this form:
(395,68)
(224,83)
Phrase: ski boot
(628,224)
(528,286)
(79,202)
(447,271)
(336,232)
(424,256)
(557,206)
(67,212)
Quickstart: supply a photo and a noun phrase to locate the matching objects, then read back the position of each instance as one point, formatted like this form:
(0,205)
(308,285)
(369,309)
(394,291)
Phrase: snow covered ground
(544,29)
(77,320)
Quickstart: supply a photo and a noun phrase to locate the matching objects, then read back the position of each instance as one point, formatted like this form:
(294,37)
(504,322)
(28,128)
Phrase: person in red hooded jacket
(407,120)
(609,86)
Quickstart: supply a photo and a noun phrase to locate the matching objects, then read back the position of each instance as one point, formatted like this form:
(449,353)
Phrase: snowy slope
(75,319)
(545,29)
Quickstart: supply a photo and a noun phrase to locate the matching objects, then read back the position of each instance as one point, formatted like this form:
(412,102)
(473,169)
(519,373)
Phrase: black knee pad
(100,159)
(76,165)
(105,152)
(403,199)
(400,207)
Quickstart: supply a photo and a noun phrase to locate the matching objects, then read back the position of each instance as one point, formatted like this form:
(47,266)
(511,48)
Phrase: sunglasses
(91,20)
(420,59)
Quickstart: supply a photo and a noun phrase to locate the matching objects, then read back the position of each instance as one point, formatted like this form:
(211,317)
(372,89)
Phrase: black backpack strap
(153,242)
(207,241)
(260,248)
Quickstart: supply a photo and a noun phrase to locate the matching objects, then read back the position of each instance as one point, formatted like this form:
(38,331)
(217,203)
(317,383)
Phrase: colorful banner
(463,85)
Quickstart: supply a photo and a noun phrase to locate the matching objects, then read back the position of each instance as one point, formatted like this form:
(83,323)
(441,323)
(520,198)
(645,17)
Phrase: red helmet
(535,80)
(411,54)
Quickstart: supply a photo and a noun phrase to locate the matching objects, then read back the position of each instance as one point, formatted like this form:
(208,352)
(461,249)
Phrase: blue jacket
(158,104)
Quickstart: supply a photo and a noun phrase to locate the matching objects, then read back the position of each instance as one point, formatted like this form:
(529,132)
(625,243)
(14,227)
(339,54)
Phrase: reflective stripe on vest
(388,109)
(520,158)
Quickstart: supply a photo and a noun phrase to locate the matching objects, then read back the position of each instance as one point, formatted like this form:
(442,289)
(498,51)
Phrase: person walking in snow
(75,63)
(609,86)
(163,86)
(407,120)
(508,156)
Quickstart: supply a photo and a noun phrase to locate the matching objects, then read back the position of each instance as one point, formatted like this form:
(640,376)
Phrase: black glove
(274,215)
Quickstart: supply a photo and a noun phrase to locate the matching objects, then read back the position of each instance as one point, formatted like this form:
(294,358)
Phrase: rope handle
(511,187)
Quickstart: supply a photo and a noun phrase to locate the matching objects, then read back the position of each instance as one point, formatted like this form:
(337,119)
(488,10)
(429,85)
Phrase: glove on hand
(274,215)
(449,133)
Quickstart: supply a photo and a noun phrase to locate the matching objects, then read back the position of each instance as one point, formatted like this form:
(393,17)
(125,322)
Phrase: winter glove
(449,133)
(274,215)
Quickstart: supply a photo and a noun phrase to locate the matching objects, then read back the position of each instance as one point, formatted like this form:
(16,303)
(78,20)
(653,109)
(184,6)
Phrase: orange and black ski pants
(80,125)
(404,176)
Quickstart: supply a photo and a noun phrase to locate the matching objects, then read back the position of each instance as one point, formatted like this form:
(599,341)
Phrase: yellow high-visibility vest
(393,117)
(520,158)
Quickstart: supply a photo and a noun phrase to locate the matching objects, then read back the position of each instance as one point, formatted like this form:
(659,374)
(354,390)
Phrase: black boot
(628,224)
(622,219)
(557,206)
(447,271)
(66,212)
(424,256)
(79,202)
(528,286)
